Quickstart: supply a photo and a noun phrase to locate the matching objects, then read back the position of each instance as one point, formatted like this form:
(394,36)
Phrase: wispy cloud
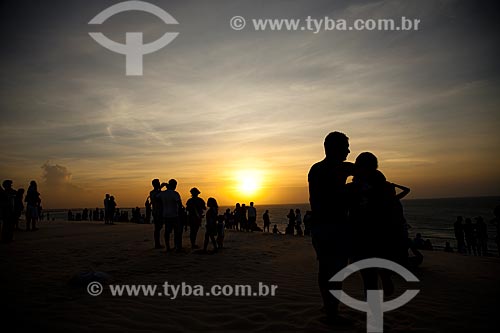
(217,100)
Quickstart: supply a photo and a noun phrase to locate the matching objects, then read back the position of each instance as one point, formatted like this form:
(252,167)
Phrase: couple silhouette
(354,221)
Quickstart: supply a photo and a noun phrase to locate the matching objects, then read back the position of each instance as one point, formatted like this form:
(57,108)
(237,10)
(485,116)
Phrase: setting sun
(249,182)
(248,185)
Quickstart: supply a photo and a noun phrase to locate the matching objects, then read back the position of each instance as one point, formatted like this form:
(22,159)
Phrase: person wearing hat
(195,207)
(8,198)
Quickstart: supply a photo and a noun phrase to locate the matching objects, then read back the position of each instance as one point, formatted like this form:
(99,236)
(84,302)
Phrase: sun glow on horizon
(249,182)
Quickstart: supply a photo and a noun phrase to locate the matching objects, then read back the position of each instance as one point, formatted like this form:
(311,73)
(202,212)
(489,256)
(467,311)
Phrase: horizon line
(305,203)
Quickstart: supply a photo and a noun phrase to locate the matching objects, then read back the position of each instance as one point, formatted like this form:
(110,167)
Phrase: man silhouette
(107,218)
(171,204)
(156,211)
(327,196)
(252,217)
(267,220)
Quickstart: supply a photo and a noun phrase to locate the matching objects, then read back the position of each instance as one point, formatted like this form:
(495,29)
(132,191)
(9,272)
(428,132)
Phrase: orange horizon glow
(264,185)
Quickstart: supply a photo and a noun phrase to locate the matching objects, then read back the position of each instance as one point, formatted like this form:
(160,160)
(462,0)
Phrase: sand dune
(458,293)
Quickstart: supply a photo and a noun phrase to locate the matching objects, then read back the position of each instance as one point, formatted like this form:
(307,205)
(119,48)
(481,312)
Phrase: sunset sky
(242,114)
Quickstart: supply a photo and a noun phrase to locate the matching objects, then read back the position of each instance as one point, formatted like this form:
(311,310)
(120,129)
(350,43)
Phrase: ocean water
(433,218)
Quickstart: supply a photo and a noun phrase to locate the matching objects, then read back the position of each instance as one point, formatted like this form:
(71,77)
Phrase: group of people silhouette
(86,215)
(353,221)
(109,209)
(12,206)
(295,221)
(472,238)
(118,215)
(244,218)
(167,210)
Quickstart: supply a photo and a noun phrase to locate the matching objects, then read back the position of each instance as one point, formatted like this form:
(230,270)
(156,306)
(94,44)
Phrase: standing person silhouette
(211,226)
(243,216)
(112,210)
(156,211)
(106,209)
(195,208)
(237,217)
(33,201)
(171,206)
(252,217)
(329,230)
(376,226)
(147,205)
(291,223)
(307,223)
(298,222)
(267,220)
